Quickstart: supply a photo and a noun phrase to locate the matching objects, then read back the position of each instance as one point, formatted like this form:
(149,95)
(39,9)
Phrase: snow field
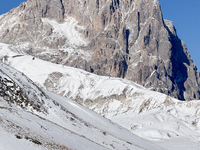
(148,114)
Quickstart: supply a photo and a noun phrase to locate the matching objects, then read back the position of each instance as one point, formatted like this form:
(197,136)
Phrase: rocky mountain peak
(170,26)
(127,39)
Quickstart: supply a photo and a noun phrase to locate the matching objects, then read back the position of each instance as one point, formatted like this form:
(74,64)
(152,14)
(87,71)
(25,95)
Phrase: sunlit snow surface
(163,120)
(65,124)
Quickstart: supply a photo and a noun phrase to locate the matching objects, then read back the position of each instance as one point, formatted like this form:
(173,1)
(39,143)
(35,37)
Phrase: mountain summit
(127,39)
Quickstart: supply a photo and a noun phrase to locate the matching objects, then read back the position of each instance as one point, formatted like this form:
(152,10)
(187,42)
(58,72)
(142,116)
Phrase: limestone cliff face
(127,39)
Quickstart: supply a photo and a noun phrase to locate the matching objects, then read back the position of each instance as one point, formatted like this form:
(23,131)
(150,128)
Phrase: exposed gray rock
(15,88)
(127,39)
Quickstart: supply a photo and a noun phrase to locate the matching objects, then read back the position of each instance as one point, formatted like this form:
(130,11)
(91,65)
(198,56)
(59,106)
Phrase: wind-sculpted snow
(58,122)
(149,114)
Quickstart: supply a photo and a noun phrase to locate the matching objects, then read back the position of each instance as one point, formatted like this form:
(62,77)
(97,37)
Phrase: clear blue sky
(185,15)
(7,5)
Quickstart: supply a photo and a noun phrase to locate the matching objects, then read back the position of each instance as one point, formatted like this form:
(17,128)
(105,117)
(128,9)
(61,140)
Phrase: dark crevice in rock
(147,37)
(126,39)
(63,8)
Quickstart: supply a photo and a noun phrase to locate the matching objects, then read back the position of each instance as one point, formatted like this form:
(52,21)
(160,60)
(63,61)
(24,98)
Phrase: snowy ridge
(148,114)
(32,97)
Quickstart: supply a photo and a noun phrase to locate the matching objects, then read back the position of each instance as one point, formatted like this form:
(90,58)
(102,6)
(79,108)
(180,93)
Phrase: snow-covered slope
(151,115)
(42,120)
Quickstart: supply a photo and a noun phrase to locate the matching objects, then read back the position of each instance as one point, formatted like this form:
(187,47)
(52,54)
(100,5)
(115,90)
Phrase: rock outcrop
(127,39)
(16,88)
